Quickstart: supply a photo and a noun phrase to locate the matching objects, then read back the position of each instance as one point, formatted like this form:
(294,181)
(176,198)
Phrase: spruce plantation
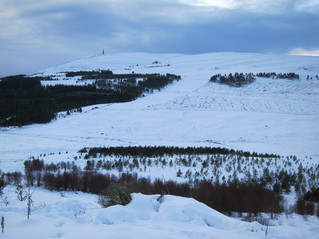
(23,100)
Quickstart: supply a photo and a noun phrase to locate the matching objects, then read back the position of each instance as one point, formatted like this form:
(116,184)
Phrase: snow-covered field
(268,116)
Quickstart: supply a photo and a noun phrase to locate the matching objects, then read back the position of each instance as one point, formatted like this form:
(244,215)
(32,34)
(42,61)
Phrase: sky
(35,34)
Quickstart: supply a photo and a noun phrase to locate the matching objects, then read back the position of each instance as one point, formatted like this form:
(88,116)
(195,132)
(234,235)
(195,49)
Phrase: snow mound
(171,209)
(77,215)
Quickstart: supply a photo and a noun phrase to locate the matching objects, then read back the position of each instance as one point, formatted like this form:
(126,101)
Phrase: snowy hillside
(275,116)
(268,116)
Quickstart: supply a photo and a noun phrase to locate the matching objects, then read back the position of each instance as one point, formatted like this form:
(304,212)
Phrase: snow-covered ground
(78,215)
(268,116)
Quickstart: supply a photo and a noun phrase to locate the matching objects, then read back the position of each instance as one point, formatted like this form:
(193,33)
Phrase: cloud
(311,6)
(303,52)
(229,4)
(257,6)
(43,33)
(244,5)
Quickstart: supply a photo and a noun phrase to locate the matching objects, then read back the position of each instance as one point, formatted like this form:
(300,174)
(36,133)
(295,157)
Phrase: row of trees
(241,79)
(290,75)
(155,151)
(92,74)
(150,81)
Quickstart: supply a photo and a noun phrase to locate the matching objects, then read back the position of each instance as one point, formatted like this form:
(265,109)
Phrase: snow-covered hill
(268,116)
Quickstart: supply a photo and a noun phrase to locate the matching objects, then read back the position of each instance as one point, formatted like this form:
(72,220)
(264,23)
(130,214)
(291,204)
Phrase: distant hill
(268,115)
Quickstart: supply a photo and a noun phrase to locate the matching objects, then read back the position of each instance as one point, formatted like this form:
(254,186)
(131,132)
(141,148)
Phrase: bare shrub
(115,194)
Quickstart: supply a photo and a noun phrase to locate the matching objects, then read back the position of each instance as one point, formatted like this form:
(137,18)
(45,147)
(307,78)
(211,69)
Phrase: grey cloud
(35,36)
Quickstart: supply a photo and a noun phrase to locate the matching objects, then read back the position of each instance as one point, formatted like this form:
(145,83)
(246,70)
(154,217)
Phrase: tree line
(235,197)
(155,151)
(252,195)
(242,79)
(290,75)
(23,100)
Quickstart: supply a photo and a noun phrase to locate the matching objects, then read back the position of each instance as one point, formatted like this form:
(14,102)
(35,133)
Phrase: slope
(269,116)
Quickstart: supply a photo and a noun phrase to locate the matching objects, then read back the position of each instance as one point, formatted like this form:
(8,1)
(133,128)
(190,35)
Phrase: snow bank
(77,215)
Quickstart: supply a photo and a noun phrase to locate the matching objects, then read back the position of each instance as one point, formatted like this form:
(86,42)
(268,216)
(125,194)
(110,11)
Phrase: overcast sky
(35,34)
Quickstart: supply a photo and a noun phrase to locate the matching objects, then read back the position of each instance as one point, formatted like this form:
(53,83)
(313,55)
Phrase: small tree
(29,203)
(5,201)
(2,224)
(21,193)
(115,194)
(2,185)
